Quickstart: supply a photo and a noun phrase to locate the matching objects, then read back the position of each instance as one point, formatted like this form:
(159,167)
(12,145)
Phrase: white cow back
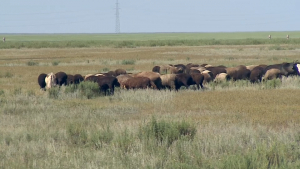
(50,80)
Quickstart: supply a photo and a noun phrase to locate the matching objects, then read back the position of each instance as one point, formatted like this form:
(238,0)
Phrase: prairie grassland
(227,125)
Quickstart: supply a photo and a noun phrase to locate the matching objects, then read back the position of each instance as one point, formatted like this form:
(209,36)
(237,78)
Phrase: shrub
(8,75)
(53,92)
(89,89)
(105,69)
(272,84)
(102,137)
(77,134)
(125,141)
(32,63)
(71,88)
(128,62)
(167,132)
(55,63)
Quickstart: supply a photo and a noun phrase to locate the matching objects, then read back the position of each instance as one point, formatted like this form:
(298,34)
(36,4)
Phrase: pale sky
(140,16)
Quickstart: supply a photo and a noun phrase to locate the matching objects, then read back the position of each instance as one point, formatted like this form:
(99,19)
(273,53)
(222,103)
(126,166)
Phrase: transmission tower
(117,18)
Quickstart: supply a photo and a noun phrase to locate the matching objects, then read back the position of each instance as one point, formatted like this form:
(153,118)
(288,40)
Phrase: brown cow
(120,72)
(138,83)
(153,76)
(197,79)
(122,79)
(168,81)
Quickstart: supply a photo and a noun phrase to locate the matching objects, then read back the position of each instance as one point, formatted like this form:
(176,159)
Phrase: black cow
(41,81)
(61,78)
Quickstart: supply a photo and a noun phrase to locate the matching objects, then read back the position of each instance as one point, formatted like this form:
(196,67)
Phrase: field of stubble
(230,125)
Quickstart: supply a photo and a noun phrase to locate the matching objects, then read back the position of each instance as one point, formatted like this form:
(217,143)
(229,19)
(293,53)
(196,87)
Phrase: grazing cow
(78,78)
(180,68)
(215,70)
(138,83)
(108,82)
(41,81)
(110,73)
(120,72)
(207,76)
(70,79)
(256,74)
(238,73)
(156,69)
(50,80)
(221,77)
(123,78)
(286,69)
(272,74)
(198,79)
(183,79)
(191,66)
(176,70)
(168,81)
(153,76)
(194,71)
(61,78)
(92,78)
(251,67)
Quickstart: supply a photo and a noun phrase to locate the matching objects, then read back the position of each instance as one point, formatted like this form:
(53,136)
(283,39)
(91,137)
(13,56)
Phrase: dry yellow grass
(231,122)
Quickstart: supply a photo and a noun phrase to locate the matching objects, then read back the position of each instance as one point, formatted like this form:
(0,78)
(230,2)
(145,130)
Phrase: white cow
(50,80)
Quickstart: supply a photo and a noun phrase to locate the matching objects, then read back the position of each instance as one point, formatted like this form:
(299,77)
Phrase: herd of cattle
(172,76)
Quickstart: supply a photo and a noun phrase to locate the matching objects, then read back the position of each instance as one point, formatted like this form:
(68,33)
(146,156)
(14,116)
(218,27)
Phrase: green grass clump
(128,62)
(53,92)
(89,89)
(167,132)
(32,63)
(55,63)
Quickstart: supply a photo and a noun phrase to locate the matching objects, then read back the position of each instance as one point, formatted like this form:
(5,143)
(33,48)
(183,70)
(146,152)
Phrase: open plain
(235,124)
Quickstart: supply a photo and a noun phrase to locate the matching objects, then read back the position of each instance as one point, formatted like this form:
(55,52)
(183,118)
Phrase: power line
(117,18)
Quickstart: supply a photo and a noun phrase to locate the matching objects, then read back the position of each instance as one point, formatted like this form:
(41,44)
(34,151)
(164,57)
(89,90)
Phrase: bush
(102,137)
(8,75)
(128,62)
(55,63)
(89,89)
(53,92)
(272,84)
(77,134)
(32,63)
(167,132)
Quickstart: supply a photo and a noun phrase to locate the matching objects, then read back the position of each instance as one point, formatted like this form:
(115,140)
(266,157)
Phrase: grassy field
(227,125)
(145,40)
(148,36)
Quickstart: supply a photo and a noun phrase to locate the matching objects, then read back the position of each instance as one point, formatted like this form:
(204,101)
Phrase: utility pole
(117,18)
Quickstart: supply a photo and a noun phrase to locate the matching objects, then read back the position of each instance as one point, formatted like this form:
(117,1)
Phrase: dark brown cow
(110,73)
(78,78)
(156,69)
(256,74)
(61,78)
(238,73)
(120,72)
(216,70)
(183,79)
(70,79)
(106,83)
(138,83)
(197,79)
(41,81)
